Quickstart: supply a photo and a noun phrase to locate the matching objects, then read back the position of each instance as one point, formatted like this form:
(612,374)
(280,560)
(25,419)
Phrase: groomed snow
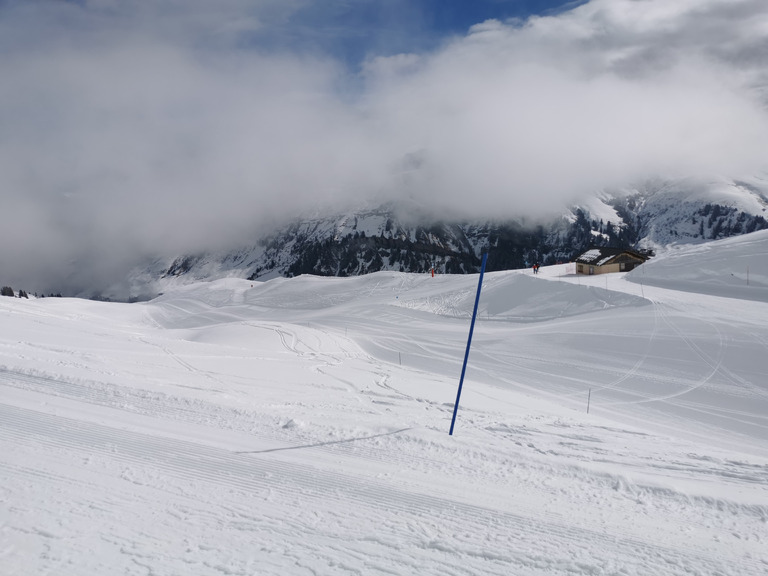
(301,426)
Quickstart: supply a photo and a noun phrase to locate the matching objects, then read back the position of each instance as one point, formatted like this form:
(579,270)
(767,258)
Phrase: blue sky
(353,30)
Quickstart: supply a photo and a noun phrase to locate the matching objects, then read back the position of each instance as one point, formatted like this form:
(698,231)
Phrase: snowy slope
(733,267)
(666,212)
(299,426)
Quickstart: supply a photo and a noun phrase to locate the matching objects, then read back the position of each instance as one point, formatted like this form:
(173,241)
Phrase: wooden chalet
(605,260)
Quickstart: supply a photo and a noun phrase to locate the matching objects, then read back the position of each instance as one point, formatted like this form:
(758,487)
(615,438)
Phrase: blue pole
(469,342)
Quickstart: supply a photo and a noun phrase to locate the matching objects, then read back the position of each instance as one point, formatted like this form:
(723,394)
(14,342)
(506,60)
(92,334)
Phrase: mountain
(664,213)
(301,426)
(649,216)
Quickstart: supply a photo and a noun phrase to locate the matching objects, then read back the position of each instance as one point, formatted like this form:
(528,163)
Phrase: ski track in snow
(460,530)
(300,427)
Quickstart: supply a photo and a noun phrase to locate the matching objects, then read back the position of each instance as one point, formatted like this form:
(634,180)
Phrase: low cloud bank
(163,128)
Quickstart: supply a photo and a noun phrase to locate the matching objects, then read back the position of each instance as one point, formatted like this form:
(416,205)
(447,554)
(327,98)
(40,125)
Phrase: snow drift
(300,426)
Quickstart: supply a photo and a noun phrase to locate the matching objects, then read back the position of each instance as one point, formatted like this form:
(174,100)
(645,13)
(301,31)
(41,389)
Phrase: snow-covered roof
(590,255)
(601,256)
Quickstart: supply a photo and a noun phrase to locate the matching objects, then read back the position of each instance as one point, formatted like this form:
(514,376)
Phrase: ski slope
(300,426)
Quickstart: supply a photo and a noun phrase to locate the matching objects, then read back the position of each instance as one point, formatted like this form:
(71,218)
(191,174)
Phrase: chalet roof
(603,255)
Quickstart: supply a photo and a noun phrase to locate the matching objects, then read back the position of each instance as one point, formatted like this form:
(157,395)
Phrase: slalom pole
(469,342)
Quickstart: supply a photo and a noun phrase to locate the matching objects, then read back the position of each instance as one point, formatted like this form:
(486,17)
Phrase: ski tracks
(267,505)
(714,365)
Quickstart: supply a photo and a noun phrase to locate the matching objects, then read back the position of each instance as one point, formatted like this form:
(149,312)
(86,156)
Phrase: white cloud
(520,118)
(132,127)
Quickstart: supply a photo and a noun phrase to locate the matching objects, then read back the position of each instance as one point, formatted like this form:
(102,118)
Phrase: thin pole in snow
(400,358)
(469,343)
(589,397)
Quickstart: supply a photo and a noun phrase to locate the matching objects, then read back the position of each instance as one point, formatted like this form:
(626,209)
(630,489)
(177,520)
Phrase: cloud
(520,118)
(131,129)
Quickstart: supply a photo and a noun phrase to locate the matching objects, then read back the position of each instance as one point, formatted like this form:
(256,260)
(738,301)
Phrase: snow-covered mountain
(608,425)
(652,215)
(679,212)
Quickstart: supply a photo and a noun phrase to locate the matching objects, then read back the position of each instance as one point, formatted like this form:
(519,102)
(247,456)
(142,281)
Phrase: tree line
(8,291)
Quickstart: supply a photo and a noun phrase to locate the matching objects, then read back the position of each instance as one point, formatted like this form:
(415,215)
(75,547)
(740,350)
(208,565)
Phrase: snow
(599,208)
(735,267)
(674,211)
(300,426)
(591,254)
